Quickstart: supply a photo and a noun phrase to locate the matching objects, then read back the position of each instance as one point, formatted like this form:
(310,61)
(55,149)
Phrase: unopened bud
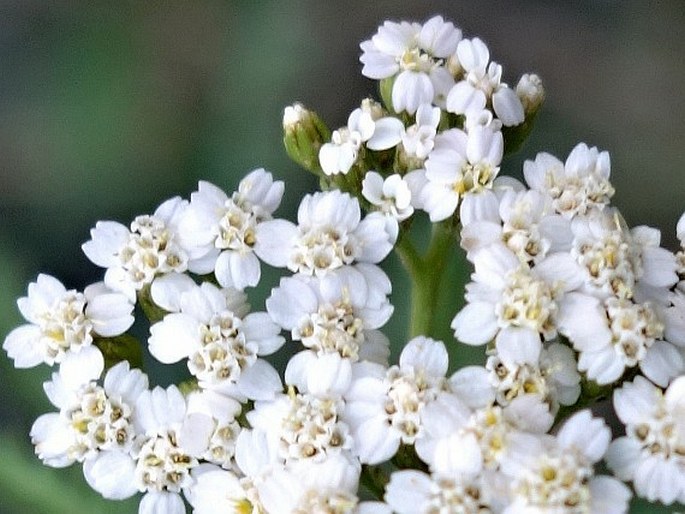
(531,93)
(303,135)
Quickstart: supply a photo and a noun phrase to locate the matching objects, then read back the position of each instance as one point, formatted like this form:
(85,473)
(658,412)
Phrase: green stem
(426,273)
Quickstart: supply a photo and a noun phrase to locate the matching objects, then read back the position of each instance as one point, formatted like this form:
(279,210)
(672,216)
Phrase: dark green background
(107,109)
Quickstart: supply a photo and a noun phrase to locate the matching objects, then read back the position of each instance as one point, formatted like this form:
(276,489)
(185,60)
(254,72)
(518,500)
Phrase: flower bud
(531,93)
(303,135)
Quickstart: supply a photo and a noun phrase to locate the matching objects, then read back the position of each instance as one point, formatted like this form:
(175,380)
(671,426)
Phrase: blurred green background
(107,109)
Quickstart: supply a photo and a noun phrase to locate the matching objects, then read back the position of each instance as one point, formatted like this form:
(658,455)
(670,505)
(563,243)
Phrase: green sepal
(188,386)
(120,348)
(303,140)
(385,91)
(514,137)
(152,311)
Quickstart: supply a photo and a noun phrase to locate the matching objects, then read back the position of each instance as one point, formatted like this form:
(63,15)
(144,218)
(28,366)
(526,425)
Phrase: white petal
(475,324)
(81,367)
(425,355)
(378,444)
(518,345)
(388,133)
(166,290)
(274,241)
(260,381)
(463,98)
(111,474)
(662,362)
(161,503)
(586,434)
(260,328)
(24,346)
(174,338)
(508,107)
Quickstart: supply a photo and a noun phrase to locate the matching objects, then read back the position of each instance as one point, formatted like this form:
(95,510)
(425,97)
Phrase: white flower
(337,313)
(328,486)
(213,432)
(134,257)
(559,477)
(619,262)
(522,221)
(576,187)
(460,164)
(330,234)
(464,442)
(218,490)
(63,324)
(414,55)
(616,334)
(554,380)
(652,453)
(391,195)
(513,304)
(411,492)
(384,408)
(219,232)
(222,347)
(365,126)
(418,140)
(159,467)
(92,418)
(302,426)
(482,86)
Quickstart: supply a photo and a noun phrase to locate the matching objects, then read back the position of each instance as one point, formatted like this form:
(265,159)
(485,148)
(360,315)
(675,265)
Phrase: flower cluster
(569,302)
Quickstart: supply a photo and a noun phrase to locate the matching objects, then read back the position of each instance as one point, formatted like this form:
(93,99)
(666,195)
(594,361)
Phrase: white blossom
(330,233)
(219,232)
(578,186)
(481,85)
(384,407)
(223,348)
(414,55)
(337,313)
(134,257)
(64,323)
(366,126)
(651,454)
(460,164)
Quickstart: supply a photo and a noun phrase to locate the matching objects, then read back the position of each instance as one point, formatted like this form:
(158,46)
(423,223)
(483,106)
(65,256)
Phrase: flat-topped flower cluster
(569,302)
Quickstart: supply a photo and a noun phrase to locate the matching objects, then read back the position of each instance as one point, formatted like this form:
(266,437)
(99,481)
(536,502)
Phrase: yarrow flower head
(414,56)
(134,257)
(63,325)
(219,232)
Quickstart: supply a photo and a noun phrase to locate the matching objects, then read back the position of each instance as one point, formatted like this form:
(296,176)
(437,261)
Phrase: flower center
(333,328)
(634,327)
(223,352)
(527,302)
(150,250)
(327,502)
(65,326)
(237,227)
(557,481)
(415,59)
(162,465)
(449,495)
(100,423)
(321,249)
(472,178)
(408,392)
(312,429)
